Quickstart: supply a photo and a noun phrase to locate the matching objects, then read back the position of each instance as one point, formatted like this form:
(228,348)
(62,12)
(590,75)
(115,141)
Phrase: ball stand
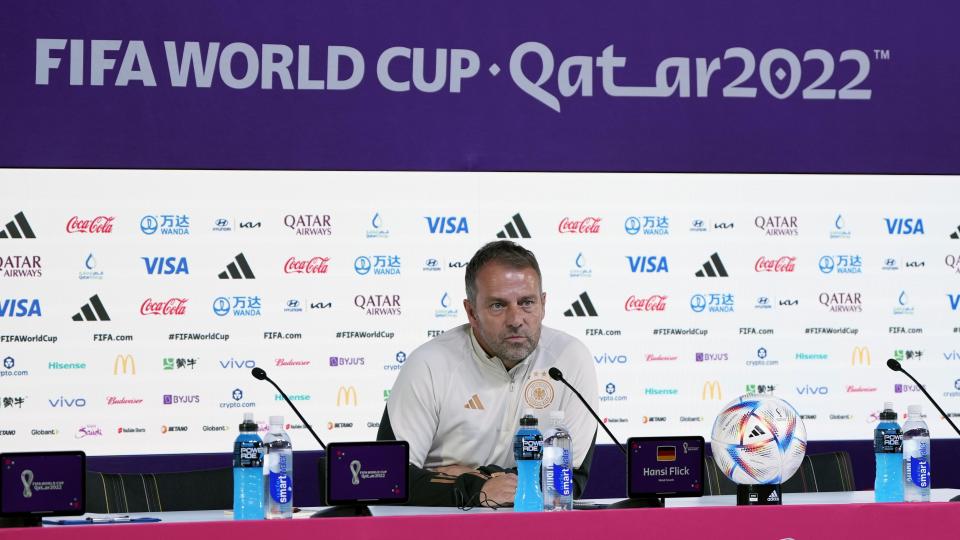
(759,495)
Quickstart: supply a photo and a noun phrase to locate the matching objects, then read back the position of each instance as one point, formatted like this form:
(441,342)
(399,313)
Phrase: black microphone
(895,366)
(261,375)
(557,375)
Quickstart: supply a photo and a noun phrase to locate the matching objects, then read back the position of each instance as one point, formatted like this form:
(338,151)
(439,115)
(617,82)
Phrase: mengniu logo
(447,224)
(18,228)
(903,226)
(124,364)
(309,224)
(313,265)
(97,225)
(954,301)
(515,228)
(21,266)
(346,396)
(648,264)
(20,307)
(711,391)
(172,306)
(860,356)
(166,266)
(165,224)
(587,225)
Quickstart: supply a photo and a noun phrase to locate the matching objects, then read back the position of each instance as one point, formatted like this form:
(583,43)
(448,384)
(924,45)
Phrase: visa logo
(904,226)
(610,359)
(237,364)
(807,390)
(954,301)
(166,265)
(648,264)
(65,402)
(447,225)
(18,307)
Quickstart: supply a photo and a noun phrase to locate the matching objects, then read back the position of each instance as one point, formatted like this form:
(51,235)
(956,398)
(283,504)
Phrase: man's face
(508,313)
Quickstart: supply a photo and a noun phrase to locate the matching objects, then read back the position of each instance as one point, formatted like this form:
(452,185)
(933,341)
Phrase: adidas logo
(514,229)
(712,268)
(18,228)
(774,497)
(474,403)
(757,431)
(93,311)
(581,308)
(238,269)
(955,235)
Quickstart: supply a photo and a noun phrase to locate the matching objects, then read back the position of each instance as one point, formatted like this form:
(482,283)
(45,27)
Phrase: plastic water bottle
(557,469)
(528,451)
(888,449)
(248,471)
(278,472)
(916,457)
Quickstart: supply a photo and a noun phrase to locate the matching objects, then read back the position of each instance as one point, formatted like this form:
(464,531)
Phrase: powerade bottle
(278,472)
(888,449)
(248,471)
(916,457)
(557,469)
(528,451)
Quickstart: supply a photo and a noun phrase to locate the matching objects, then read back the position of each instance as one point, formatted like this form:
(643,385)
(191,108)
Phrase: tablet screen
(42,483)
(665,466)
(367,472)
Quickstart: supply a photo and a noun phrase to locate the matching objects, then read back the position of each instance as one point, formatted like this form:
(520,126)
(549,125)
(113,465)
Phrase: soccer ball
(758,440)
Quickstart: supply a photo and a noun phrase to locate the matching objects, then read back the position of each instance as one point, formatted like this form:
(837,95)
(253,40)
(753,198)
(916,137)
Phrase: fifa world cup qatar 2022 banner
(133,304)
(749,85)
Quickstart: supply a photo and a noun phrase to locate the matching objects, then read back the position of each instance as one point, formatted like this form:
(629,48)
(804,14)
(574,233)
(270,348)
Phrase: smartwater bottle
(888,449)
(528,451)
(916,457)
(278,472)
(248,471)
(556,473)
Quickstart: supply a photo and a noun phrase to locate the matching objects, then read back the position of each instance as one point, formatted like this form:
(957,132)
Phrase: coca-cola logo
(781,264)
(656,302)
(97,225)
(314,265)
(588,225)
(173,306)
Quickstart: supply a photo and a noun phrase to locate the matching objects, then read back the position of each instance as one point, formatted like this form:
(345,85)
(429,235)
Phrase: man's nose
(514,316)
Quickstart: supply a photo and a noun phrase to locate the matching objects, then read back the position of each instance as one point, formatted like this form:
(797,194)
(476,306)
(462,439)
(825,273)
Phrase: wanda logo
(656,302)
(783,264)
(97,225)
(173,306)
(589,225)
(315,265)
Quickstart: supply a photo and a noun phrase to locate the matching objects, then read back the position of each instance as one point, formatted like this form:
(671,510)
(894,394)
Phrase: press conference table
(803,516)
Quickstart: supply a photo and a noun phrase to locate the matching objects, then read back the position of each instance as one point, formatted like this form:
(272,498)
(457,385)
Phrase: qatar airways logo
(173,306)
(587,225)
(781,264)
(656,302)
(314,265)
(97,225)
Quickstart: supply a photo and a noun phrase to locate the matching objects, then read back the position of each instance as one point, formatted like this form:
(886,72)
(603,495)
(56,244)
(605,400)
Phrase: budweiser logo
(783,264)
(656,302)
(173,306)
(660,358)
(315,265)
(113,400)
(590,225)
(283,362)
(855,389)
(97,225)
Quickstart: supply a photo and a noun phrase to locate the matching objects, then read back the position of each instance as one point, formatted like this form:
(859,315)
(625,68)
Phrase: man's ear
(471,315)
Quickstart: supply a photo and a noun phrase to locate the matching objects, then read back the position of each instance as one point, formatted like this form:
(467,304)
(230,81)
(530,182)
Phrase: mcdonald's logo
(860,355)
(712,389)
(347,395)
(124,364)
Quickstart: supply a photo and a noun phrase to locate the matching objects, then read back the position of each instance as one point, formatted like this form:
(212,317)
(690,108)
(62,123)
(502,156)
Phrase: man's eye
(496,305)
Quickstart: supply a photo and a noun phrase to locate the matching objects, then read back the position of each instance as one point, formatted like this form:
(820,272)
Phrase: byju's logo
(841,302)
(515,228)
(173,399)
(238,269)
(777,225)
(446,309)
(583,307)
(308,224)
(711,357)
(380,265)
(647,225)
(712,303)
(712,268)
(165,224)
(839,230)
(21,266)
(166,266)
(648,264)
(18,228)
(238,306)
(904,226)
(377,228)
(97,225)
(93,311)
(447,225)
(350,361)
(841,264)
(20,307)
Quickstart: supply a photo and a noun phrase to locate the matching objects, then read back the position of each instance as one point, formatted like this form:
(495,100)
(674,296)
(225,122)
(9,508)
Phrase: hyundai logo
(293,303)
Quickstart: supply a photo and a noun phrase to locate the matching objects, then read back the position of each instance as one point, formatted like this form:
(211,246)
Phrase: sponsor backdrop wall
(134,303)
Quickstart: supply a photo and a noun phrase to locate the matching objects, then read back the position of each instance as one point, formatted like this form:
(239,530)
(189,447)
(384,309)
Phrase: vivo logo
(611,359)
(67,402)
(22,307)
(648,264)
(954,301)
(447,225)
(166,265)
(238,364)
(807,390)
(904,225)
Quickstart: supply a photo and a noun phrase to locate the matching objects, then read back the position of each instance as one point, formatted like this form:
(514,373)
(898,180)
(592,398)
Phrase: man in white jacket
(459,397)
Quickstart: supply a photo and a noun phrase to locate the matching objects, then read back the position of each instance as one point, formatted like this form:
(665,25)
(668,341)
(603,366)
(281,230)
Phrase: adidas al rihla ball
(758,439)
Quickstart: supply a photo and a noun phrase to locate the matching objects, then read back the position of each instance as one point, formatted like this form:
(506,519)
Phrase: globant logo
(313,265)
(446,310)
(238,306)
(308,224)
(656,302)
(44,432)
(647,225)
(587,225)
(378,304)
(377,229)
(712,303)
(380,265)
(842,264)
(691,419)
(172,307)
(777,225)
(97,225)
(17,266)
(336,361)
(778,265)
(237,401)
(165,224)
(8,364)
